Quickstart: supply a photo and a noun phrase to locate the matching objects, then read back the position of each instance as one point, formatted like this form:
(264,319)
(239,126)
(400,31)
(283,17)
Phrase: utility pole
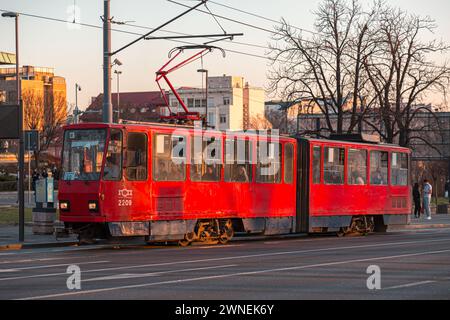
(118,73)
(76,112)
(205,71)
(21,173)
(107,106)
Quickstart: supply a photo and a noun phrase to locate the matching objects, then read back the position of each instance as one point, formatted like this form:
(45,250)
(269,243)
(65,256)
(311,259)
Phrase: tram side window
(206,162)
(288,163)
(317,154)
(238,160)
(399,169)
(357,167)
(378,168)
(113,164)
(268,168)
(333,165)
(169,158)
(136,168)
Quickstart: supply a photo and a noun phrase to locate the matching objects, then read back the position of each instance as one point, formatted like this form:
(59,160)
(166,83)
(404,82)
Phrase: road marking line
(36,260)
(153,274)
(8,270)
(51,266)
(410,285)
(218,247)
(231,258)
(231,275)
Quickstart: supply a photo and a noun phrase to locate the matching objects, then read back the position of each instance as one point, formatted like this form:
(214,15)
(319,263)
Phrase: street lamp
(118,92)
(21,144)
(76,111)
(206,93)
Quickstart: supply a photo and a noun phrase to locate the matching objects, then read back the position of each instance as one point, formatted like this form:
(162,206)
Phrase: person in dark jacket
(416,197)
(447,189)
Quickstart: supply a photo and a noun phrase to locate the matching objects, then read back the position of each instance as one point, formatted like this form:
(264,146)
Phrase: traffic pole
(107,106)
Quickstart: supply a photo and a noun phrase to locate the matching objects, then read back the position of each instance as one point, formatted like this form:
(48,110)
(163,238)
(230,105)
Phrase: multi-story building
(134,106)
(44,104)
(231,104)
(43,94)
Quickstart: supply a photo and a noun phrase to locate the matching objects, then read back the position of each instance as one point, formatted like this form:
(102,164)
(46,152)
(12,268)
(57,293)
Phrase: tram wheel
(184,243)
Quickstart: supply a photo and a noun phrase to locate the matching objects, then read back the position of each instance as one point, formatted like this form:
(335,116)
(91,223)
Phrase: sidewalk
(9,238)
(437,221)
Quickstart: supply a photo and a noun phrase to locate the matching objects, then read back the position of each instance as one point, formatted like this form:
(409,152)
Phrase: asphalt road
(413,265)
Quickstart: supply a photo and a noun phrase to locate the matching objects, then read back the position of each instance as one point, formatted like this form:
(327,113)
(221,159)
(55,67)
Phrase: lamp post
(76,111)
(206,92)
(118,73)
(21,140)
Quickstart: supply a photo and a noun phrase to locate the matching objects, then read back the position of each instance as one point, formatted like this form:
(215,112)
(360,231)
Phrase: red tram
(172,183)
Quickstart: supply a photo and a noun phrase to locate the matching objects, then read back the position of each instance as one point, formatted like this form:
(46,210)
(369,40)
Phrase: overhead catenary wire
(132,33)
(184,42)
(276,33)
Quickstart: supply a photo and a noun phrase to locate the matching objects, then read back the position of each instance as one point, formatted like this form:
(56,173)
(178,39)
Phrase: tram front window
(83,154)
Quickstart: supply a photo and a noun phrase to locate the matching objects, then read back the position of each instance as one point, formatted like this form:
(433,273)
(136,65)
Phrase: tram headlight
(64,205)
(93,205)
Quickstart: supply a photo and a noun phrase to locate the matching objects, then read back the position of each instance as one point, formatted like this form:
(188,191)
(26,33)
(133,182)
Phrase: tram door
(134,197)
(303,172)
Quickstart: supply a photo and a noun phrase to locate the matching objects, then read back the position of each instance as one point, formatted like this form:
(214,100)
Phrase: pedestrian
(427,192)
(35,179)
(416,197)
(447,189)
(55,173)
(44,173)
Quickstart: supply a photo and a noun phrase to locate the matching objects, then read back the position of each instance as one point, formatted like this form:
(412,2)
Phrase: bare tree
(401,73)
(326,69)
(54,117)
(33,105)
(259,122)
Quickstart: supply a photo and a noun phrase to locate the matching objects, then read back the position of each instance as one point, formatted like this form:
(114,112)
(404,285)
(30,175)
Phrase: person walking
(447,189)
(416,197)
(427,191)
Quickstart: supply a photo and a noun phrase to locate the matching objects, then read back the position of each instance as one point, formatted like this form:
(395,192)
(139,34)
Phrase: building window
(197,103)
(226,101)
(333,165)
(238,160)
(399,169)
(357,167)
(379,168)
(136,156)
(190,102)
(206,162)
(223,118)
(203,103)
(210,102)
(211,119)
(317,155)
(169,158)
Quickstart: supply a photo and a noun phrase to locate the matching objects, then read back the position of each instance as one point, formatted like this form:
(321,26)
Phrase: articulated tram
(178,183)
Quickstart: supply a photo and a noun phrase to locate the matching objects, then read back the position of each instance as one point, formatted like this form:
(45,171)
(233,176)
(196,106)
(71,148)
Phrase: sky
(76,52)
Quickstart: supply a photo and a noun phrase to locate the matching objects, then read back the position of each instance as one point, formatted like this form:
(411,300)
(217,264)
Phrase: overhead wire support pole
(107,105)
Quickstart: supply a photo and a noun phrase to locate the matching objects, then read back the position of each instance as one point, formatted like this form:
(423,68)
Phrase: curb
(20,246)
(421,226)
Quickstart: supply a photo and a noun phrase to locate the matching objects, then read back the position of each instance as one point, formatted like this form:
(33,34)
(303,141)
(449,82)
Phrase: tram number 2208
(125,202)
